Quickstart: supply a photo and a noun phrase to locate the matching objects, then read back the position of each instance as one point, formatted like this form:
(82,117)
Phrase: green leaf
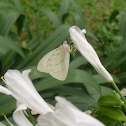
(35,74)
(123,24)
(31,118)
(113,113)
(80,103)
(65,91)
(73,91)
(102,80)
(113,15)
(6,4)
(110,58)
(3,51)
(78,76)
(51,15)
(8,18)
(5,98)
(20,21)
(15,38)
(63,9)
(7,61)
(107,121)
(26,25)
(64,17)
(11,45)
(122,76)
(109,101)
(91,35)
(82,25)
(33,43)
(49,44)
(77,19)
(5,109)
(0,67)
(117,63)
(6,124)
(78,62)
(106,90)
(17,5)
(37,18)
(95,94)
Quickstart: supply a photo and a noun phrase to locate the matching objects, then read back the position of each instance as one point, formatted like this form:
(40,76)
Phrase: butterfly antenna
(60,35)
(90,105)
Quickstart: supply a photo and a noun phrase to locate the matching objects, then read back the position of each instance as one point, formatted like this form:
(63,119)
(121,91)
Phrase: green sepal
(113,113)
(106,120)
(109,101)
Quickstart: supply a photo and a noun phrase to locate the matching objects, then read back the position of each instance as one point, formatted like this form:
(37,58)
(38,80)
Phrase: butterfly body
(56,62)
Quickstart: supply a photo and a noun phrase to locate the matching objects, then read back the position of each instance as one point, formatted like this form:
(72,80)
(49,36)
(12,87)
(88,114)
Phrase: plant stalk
(118,91)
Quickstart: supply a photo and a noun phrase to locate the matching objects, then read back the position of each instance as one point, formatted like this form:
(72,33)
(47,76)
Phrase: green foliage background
(30,29)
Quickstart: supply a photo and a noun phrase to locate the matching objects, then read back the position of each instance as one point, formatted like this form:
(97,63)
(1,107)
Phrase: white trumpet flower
(66,114)
(82,45)
(21,88)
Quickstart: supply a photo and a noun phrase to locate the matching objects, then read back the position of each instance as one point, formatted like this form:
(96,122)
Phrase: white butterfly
(56,62)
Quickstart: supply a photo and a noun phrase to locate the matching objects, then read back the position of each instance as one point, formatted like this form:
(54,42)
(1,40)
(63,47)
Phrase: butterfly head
(65,42)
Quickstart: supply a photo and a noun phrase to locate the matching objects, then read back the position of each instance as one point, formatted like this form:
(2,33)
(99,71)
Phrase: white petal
(25,74)
(87,51)
(74,115)
(51,106)
(1,124)
(22,87)
(19,117)
(7,92)
(66,114)
(84,30)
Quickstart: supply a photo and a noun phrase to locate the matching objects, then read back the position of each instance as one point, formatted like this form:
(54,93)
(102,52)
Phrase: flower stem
(122,103)
(121,124)
(118,91)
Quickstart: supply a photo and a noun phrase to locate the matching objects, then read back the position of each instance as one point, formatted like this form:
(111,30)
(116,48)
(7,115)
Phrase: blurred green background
(30,29)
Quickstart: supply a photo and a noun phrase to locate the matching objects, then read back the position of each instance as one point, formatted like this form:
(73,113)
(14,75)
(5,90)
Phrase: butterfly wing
(56,62)
(42,65)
